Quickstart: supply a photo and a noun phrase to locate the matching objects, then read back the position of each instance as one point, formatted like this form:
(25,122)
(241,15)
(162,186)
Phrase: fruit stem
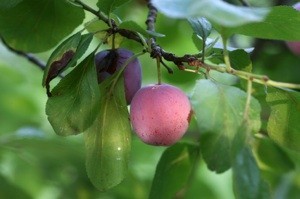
(144,42)
(158,70)
(113,46)
(248,100)
(226,54)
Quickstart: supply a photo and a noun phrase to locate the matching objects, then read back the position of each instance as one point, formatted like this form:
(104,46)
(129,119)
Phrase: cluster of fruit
(159,113)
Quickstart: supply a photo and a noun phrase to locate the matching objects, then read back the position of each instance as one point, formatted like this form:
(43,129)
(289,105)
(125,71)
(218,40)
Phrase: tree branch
(158,52)
(100,15)
(31,58)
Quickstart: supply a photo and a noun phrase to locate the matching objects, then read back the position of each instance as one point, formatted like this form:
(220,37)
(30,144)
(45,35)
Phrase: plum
(294,46)
(109,61)
(160,114)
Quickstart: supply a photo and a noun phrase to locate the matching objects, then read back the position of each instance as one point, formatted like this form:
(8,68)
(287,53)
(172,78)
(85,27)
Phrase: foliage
(245,124)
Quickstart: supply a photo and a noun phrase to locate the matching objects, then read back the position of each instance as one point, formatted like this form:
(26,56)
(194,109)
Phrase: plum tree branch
(193,60)
(110,22)
(156,51)
(99,14)
(261,79)
(31,58)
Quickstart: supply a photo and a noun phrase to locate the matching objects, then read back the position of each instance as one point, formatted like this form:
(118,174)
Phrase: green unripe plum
(294,46)
(109,61)
(160,114)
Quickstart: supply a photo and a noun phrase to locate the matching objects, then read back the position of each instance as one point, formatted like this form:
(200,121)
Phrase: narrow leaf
(216,11)
(173,170)
(271,157)
(198,41)
(75,100)
(247,179)
(109,6)
(133,26)
(108,140)
(283,125)
(64,56)
(219,111)
(82,47)
(36,26)
(288,187)
(60,58)
(155,34)
(201,27)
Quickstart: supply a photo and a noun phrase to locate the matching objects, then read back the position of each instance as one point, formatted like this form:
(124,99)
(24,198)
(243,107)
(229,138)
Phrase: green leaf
(201,27)
(240,60)
(82,47)
(271,157)
(36,26)
(155,34)
(288,187)
(75,100)
(173,170)
(96,27)
(6,4)
(219,111)
(108,140)
(283,23)
(212,47)
(65,55)
(109,6)
(283,125)
(60,58)
(247,179)
(198,42)
(11,190)
(216,11)
(133,26)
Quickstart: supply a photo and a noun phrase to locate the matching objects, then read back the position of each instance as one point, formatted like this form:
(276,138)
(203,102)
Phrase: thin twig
(159,52)
(100,15)
(261,79)
(28,56)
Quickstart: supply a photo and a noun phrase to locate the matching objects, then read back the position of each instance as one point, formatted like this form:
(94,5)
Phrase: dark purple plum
(109,61)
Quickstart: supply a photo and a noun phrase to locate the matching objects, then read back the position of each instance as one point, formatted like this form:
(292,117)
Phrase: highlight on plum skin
(109,61)
(294,46)
(160,114)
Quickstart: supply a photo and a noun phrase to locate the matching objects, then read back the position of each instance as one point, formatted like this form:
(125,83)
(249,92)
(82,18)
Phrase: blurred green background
(36,163)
